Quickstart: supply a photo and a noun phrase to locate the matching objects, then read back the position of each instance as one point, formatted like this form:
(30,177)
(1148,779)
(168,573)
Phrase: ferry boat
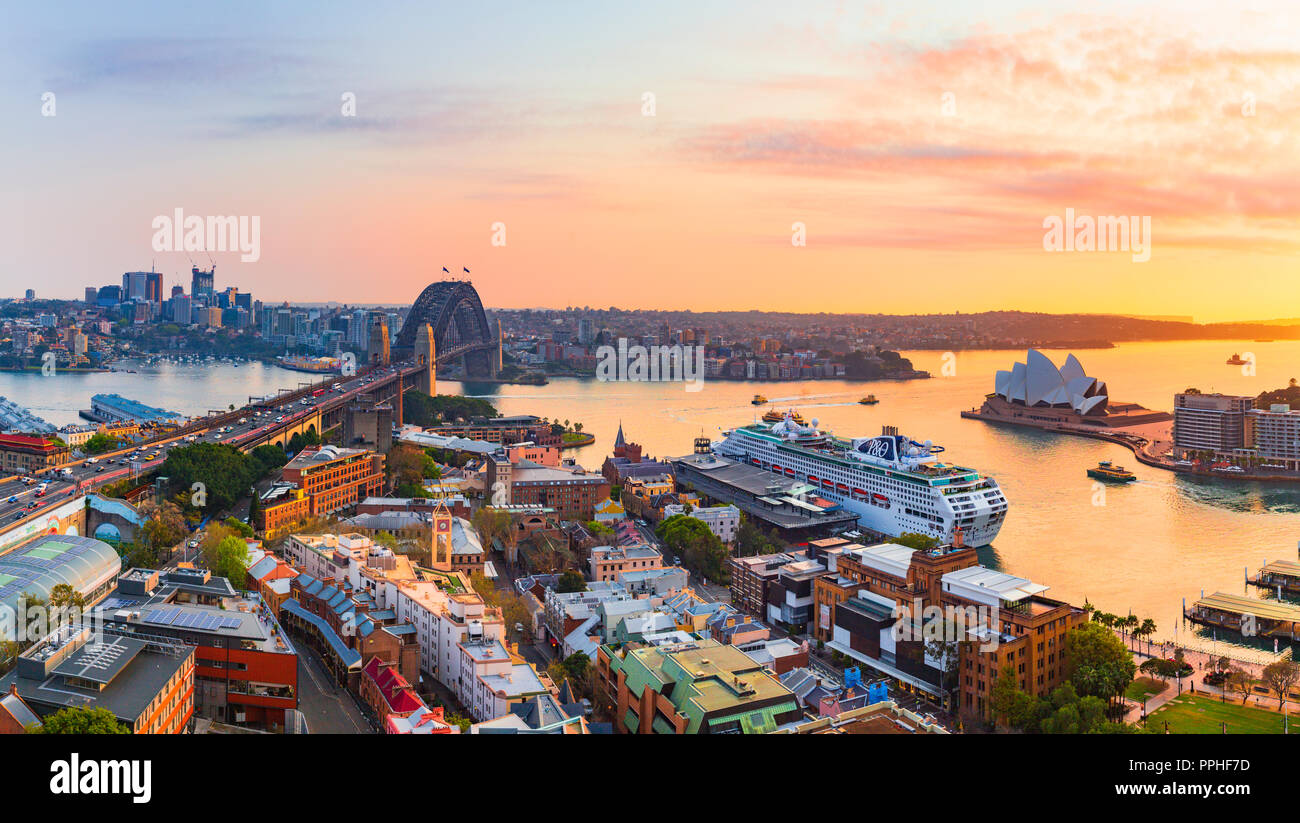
(1236,360)
(1106,470)
(892,483)
(774,416)
(758,400)
(869,400)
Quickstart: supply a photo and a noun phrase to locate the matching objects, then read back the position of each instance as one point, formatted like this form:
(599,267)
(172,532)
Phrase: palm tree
(1148,629)
(1131,623)
(1137,632)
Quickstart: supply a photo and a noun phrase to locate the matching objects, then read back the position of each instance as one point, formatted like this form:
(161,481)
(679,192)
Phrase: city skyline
(838,120)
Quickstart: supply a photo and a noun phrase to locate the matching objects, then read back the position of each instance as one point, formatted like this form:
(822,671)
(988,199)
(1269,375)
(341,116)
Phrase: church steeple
(619,442)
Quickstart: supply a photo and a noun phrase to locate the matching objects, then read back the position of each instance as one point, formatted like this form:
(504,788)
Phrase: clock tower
(441,555)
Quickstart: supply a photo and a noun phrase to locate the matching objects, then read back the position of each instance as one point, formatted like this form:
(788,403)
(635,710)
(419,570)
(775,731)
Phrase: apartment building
(1031,632)
(1210,422)
(696,687)
(608,562)
(335,478)
(751,576)
(492,680)
(1274,434)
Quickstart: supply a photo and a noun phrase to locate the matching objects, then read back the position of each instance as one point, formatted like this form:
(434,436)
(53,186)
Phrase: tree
(422,410)
(1280,677)
(238,527)
(752,540)
(571,581)
(1238,680)
(1003,694)
(99,443)
(1148,629)
(225,472)
(915,540)
(1074,714)
(229,559)
(699,549)
(1100,664)
(63,595)
(491,524)
(139,555)
(948,654)
(164,526)
(255,513)
(405,466)
(80,720)
(599,530)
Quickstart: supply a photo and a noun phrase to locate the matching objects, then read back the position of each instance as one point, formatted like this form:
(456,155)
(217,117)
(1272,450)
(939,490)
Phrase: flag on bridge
(466,270)
(444,268)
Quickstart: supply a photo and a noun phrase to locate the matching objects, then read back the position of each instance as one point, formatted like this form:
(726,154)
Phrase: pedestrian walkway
(1199,660)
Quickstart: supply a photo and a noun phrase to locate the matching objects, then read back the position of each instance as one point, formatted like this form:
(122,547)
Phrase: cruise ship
(892,483)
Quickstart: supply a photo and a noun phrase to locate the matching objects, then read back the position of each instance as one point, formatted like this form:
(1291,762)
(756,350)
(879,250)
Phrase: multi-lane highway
(21,498)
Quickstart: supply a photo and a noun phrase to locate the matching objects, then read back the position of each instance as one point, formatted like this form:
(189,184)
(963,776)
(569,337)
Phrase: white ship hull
(886,497)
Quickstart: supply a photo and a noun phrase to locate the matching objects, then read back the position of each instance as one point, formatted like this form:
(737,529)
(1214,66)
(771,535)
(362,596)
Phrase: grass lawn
(1202,715)
(1144,687)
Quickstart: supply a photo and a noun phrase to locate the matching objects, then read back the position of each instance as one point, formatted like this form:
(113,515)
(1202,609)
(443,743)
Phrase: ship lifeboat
(841,487)
(789,472)
(880,498)
(812,478)
(860,494)
(826,484)
(756,461)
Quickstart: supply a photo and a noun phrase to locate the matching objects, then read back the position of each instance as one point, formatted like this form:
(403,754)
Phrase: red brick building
(320,481)
(23,454)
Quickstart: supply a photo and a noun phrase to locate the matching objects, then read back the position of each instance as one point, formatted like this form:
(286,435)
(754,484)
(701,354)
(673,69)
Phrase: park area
(1144,687)
(1190,714)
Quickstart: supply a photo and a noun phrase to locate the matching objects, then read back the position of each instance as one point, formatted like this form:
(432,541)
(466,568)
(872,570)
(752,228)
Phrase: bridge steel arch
(460,327)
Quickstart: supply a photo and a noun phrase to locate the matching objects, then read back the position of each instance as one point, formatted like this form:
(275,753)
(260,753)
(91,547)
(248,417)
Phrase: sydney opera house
(1036,392)
(1037,382)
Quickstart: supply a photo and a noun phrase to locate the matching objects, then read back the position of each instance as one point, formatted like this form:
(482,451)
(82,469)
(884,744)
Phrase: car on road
(98,469)
(92,460)
(13,499)
(193,544)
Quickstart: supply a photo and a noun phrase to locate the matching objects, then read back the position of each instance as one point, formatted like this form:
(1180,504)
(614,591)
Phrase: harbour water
(1141,547)
(187,387)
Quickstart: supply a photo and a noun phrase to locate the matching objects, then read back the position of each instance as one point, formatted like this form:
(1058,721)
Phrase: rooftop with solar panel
(189,604)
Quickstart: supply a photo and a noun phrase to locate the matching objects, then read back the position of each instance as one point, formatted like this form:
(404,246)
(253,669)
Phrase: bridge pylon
(425,356)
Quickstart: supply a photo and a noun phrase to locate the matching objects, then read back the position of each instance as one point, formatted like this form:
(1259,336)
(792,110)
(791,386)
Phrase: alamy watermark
(177,232)
(1102,233)
(651,364)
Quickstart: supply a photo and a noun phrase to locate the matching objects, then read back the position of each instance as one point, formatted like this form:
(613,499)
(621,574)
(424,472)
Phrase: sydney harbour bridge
(461,331)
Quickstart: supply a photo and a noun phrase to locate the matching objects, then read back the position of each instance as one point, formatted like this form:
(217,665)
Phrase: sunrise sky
(766,114)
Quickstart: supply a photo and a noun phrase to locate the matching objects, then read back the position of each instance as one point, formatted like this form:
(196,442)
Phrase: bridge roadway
(264,420)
